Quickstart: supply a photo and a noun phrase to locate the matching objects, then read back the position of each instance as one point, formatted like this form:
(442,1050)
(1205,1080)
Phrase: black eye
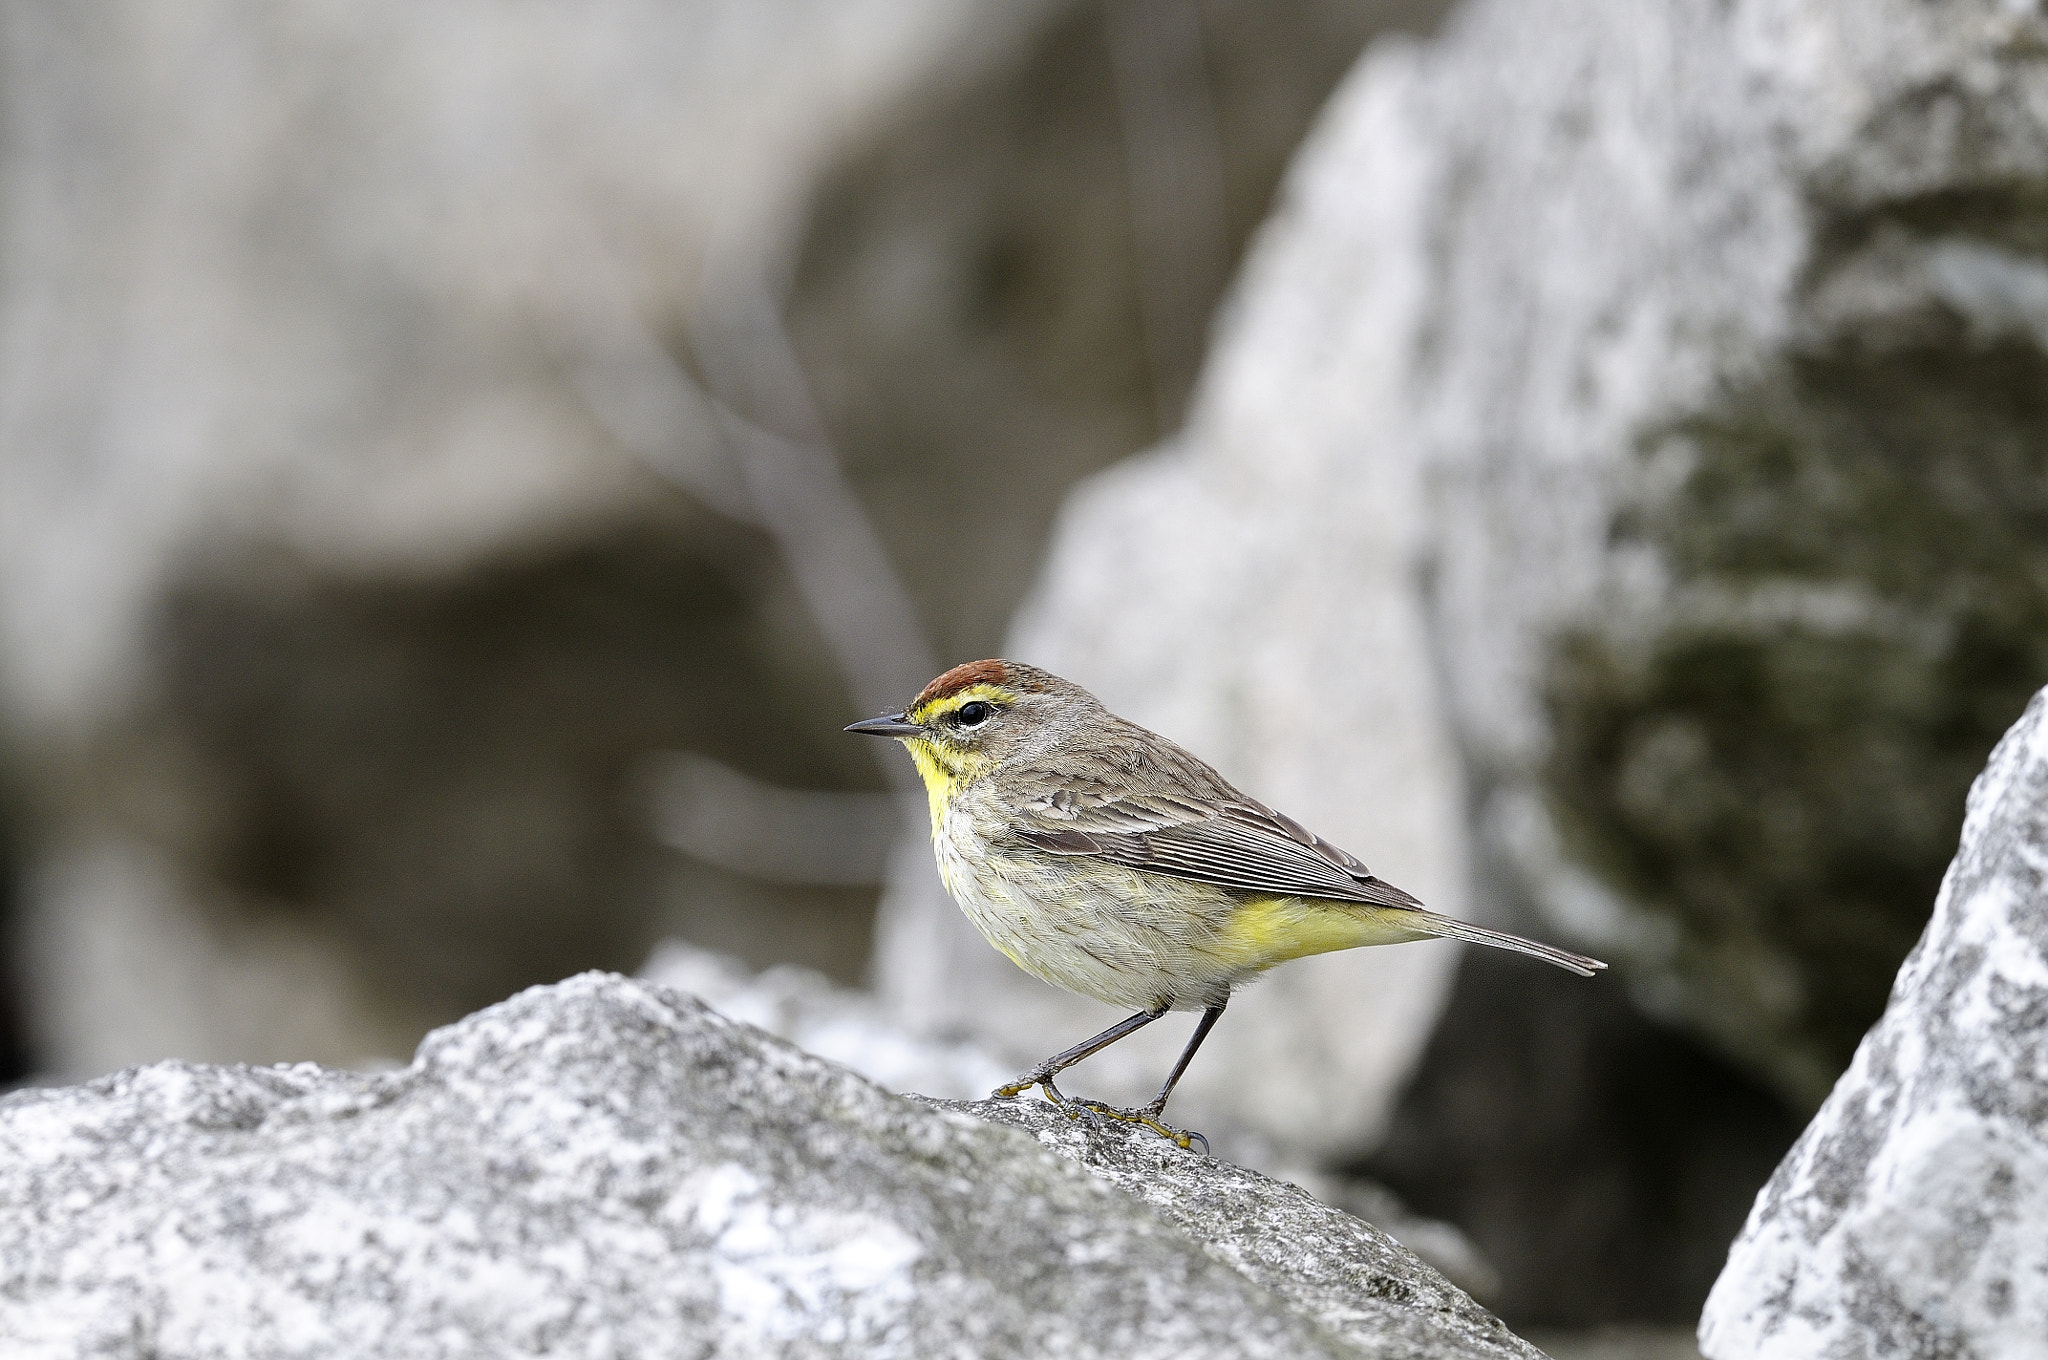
(974,714)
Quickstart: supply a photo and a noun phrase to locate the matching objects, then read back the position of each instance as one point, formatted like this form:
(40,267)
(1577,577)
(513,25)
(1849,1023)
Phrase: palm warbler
(1106,860)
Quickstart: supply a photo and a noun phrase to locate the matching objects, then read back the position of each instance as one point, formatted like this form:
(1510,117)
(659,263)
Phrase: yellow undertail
(1269,930)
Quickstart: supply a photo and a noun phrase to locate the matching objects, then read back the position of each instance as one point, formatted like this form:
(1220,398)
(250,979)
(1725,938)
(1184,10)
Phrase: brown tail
(1449,927)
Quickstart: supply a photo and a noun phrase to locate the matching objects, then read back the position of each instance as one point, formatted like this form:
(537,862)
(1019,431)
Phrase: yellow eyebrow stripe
(988,693)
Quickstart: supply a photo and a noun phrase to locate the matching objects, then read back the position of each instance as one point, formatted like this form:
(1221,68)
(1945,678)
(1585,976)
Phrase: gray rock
(1727,385)
(1911,1219)
(1336,1267)
(1735,558)
(605,1167)
(851,1027)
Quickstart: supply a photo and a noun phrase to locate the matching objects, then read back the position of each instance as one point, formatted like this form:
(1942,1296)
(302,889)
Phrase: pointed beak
(893,725)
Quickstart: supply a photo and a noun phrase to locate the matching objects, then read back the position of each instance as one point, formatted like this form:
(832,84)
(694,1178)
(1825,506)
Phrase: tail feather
(1449,927)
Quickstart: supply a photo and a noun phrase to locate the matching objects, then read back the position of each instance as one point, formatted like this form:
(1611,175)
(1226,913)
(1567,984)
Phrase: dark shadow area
(1600,1161)
(1859,552)
(439,767)
(16,1060)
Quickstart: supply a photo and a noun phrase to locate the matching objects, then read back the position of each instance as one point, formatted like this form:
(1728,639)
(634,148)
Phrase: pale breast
(1121,936)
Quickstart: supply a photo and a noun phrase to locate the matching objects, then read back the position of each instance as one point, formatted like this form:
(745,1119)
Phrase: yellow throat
(948,769)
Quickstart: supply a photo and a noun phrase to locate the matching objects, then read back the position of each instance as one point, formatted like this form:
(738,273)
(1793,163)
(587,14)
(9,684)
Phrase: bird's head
(978,716)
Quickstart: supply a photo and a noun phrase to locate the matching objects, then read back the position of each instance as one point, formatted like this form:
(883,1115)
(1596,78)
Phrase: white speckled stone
(608,1168)
(1912,1217)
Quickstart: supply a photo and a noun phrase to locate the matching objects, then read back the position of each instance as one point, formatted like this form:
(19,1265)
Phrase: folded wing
(1241,844)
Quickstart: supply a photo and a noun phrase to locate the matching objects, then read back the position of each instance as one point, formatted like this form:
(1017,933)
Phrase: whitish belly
(1120,936)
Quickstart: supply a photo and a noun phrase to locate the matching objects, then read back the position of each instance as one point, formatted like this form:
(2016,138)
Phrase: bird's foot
(1022,1084)
(1078,1110)
(1148,1116)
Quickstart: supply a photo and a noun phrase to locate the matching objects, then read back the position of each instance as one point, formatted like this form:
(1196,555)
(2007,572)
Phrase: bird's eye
(974,714)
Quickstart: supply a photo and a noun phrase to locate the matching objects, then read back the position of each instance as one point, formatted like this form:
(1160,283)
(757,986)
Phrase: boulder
(1730,398)
(608,1167)
(1719,344)
(1912,1216)
(851,1027)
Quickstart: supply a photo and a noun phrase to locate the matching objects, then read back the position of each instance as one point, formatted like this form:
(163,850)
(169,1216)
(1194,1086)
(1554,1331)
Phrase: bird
(1107,860)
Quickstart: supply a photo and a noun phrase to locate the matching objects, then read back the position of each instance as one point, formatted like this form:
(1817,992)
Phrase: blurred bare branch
(715,813)
(803,498)
(753,447)
(1174,161)
(645,401)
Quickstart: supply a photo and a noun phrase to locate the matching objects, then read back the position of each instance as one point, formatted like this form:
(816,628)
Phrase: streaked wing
(1239,844)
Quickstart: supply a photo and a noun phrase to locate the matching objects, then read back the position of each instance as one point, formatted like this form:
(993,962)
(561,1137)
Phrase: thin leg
(1209,1019)
(1043,1074)
(1149,1115)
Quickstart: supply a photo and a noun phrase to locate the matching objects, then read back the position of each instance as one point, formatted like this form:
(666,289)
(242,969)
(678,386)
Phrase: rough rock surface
(852,1028)
(1335,1267)
(605,1167)
(1912,1216)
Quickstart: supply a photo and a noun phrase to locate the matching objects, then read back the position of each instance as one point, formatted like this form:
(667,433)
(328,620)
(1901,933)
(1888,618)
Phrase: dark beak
(891,726)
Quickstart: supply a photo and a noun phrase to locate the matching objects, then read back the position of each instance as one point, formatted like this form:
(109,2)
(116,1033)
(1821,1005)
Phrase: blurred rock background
(460,467)
(406,443)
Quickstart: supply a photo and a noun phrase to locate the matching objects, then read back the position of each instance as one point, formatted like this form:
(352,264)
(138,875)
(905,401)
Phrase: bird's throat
(945,772)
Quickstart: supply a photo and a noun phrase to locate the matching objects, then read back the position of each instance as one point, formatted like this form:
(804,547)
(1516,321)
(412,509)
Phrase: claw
(1094,1110)
(1022,1084)
(1058,1099)
(1149,1118)
(1079,1111)
(1038,1076)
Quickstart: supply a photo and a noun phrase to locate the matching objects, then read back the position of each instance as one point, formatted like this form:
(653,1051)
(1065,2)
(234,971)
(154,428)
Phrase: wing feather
(1240,844)
(1214,834)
